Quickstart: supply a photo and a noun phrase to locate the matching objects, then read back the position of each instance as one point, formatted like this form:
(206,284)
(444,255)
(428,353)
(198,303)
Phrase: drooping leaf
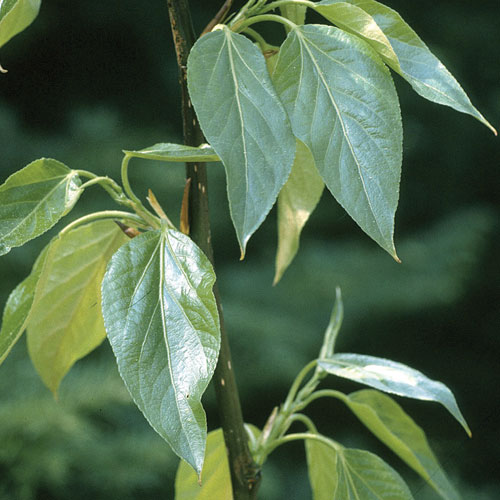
(215,476)
(15,16)
(162,322)
(34,199)
(322,469)
(243,119)
(338,473)
(349,17)
(388,421)
(296,201)
(333,328)
(395,378)
(415,62)
(176,152)
(65,322)
(18,307)
(342,104)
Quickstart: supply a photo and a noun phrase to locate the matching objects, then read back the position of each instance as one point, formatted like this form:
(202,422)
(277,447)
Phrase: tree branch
(244,473)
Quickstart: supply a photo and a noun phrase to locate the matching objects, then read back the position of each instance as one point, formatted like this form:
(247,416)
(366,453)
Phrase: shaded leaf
(343,105)
(65,322)
(15,16)
(322,469)
(387,420)
(338,473)
(34,199)
(243,119)
(296,201)
(392,377)
(296,13)
(215,477)
(18,307)
(162,322)
(415,62)
(176,152)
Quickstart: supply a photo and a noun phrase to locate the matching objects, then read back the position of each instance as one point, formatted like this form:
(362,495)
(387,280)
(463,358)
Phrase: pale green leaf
(296,13)
(338,473)
(176,152)
(15,16)
(322,469)
(215,476)
(243,119)
(296,201)
(162,322)
(388,421)
(65,322)
(343,105)
(34,199)
(354,19)
(392,377)
(18,307)
(415,62)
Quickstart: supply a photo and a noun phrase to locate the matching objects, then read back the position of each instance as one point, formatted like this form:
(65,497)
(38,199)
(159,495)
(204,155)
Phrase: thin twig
(218,17)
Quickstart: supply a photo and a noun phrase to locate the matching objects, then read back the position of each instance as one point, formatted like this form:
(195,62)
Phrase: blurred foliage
(88,80)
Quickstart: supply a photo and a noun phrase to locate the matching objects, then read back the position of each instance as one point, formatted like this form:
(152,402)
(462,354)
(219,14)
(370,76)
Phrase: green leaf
(296,13)
(215,477)
(65,322)
(415,62)
(322,469)
(15,16)
(18,307)
(392,377)
(343,105)
(354,19)
(176,152)
(296,201)
(338,473)
(34,199)
(162,322)
(387,420)
(243,119)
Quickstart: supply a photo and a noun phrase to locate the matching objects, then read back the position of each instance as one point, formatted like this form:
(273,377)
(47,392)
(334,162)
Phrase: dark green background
(88,79)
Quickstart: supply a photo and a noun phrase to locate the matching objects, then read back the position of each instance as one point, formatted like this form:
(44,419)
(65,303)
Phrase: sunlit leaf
(296,201)
(18,307)
(342,104)
(15,16)
(176,152)
(243,119)
(66,322)
(162,322)
(387,420)
(415,62)
(392,377)
(34,199)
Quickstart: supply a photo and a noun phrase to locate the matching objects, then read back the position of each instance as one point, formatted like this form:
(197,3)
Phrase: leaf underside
(65,322)
(176,152)
(244,121)
(343,105)
(15,16)
(163,325)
